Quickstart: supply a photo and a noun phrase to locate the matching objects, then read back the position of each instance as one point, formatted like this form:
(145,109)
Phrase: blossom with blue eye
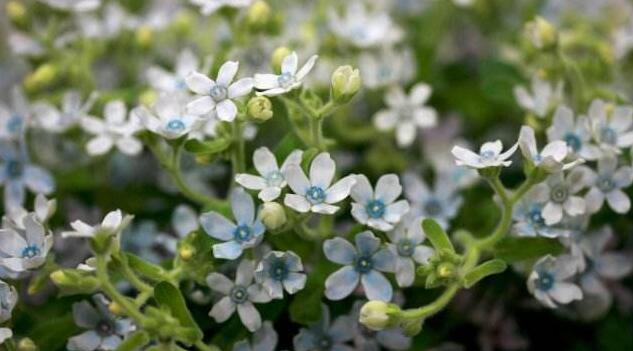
(441,203)
(59,120)
(104,330)
(406,246)
(378,209)
(364,28)
(529,220)
(168,117)
(116,129)
(279,271)
(289,79)
(217,96)
(112,224)
(264,339)
(560,191)
(490,155)
(325,335)
(543,98)
(165,81)
(608,183)
(612,132)
(246,232)
(17,173)
(8,299)
(13,119)
(238,295)
(551,158)
(550,282)
(26,249)
(575,133)
(271,181)
(363,265)
(317,194)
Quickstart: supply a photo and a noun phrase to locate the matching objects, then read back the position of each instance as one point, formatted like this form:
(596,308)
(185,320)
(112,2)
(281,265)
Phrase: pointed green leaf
(134,341)
(146,269)
(437,236)
(485,269)
(515,249)
(170,297)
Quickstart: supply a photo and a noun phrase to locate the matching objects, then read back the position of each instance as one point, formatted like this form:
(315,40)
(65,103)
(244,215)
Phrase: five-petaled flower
(279,271)
(17,173)
(26,249)
(113,224)
(543,98)
(607,183)
(489,155)
(576,133)
(612,132)
(406,246)
(363,265)
(272,180)
(325,335)
(551,159)
(114,130)
(246,232)
(289,79)
(549,281)
(168,117)
(378,209)
(560,193)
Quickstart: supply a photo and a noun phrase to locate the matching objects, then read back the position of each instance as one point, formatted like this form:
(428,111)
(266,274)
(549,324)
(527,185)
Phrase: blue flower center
(559,193)
(175,125)
(238,294)
(364,264)
(535,218)
(242,233)
(605,184)
(180,84)
(375,208)
(608,135)
(285,80)
(384,72)
(538,158)
(14,169)
(14,124)
(218,92)
(315,195)
(105,328)
(433,207)
(405,248)
(487,155)
(324,343)
(30,251)
(274,178)
(278,270)
(573,141)
(545,281)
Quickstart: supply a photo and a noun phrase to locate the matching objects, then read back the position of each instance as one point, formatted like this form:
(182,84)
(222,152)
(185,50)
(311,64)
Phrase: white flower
(43,211)
(8,299)
(216,96)
(172,82)
(608,183)
(113,19)
(362,28)
(378,209)
(239,295)
(289,79)
(490,155)
(115,130)
(543,98)
(55,120)
(316,194)
(549,281)
(14,119)
(441,202)
(551,158)
(113,223)
(386,67)
(73,5)
(272,181)
(25,249)
(406,245)
(5,334)
(168,117)
(406,113)
(613,132)
(207,7)
(560,192)
(576,134)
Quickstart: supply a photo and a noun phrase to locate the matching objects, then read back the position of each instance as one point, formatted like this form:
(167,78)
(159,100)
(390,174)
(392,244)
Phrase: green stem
(204,347)
(433,307)
(316,131)
(131,277)
(238,159)
(114,295)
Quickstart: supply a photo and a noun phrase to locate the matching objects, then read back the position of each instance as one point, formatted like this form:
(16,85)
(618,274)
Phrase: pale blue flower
(324,336)
(608,183)
(440,203)
(168,117)
(17,173)
(163,80)
(490,155)
(543,98)
(140,239)
(246,232)
(8,299)
(406,246)
(105,331)
(14,118)
(363,265)
(612,132)
(551,158)
(271,181)
(364,28)
(279,271)
(575,133)
(264,339)
(115,130)
(290,78)
(561,191)
(239,295)
(59,120)
(529,219)
(316,194)
(22,250)
(184,220)
(369,340)
(378,209)
(386,67)
(549,281)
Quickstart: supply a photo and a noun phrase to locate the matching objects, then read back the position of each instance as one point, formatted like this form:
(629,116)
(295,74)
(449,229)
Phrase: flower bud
(115,309)
(42,76)
(148,97)
(446,270)
(260,108)
(73,281)
(26,344)
(144,36)
(186,252)
(541,33)
(16,11)
(278,56)
(345,83)
(273,215)
(377,315)
(258,14)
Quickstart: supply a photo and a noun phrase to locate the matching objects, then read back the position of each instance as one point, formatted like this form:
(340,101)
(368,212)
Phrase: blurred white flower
(543,98)
(289,79)
(55,120)
(165,81)
(363,28)
(575,133)
(207,7)
(117,129)
(168,117)
(490,155)
(611,131)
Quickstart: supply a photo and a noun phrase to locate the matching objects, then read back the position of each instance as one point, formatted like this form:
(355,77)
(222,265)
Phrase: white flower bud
(273,215)
(345,83)
(377,315)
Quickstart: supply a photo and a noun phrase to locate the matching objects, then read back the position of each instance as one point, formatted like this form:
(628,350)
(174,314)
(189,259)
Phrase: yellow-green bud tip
(259,14)
(346,82)
(115,308)
(15,11)
(446,270)
(260,108)
(377,315)
(541,33)
(273,215)
(186,253)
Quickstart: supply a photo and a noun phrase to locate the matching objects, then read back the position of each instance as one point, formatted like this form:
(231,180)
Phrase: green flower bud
(278,56)
(446,270)
(260,108)
(541,33)
(258,14)
(74,281)
(378,315)
(345,83)
(16,11)
(27,344)
(273,215)
(144,36)
(186,252)
(42,76)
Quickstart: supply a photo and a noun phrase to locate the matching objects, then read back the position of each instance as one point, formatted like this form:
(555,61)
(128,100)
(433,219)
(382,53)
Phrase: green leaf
(437,236)
(134,341)
(305,308)
(53,334)
(513,249)
(208,147)
(485,269)
(144,268)
(170,297)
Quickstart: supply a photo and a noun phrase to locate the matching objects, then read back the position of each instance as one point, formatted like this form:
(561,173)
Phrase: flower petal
(376,286)
(341,283)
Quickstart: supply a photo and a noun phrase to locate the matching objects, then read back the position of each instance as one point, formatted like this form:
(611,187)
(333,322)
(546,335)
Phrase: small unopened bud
(144,36)
(446,270)
(183,21)
(258,14)
(26,344)
(260,108)
(16,11)
(273,215)
(541,33)
(148,97)
(278,56)
(186,252)
(115,309)
(43,75)
(345,83)
(377,315)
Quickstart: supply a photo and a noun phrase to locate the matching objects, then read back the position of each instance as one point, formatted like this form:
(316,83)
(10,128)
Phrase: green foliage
(437,236)
(515,249)
(169,296)
(484,270)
